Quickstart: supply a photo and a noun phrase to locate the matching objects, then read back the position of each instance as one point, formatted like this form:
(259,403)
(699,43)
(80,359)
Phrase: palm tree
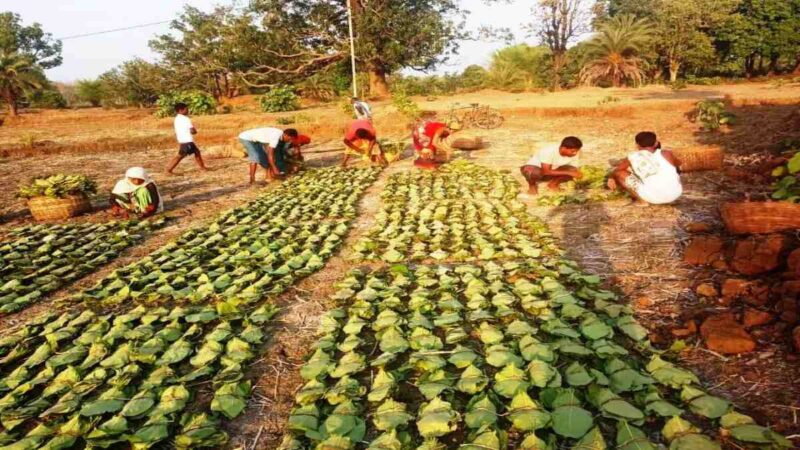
(613,51)
(18,74)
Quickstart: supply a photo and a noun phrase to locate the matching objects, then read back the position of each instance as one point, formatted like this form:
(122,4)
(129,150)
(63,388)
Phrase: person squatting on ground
(136,194)
(361,139)
(185,131)
(431,140)
(266,147)
(556,164)
(649,174)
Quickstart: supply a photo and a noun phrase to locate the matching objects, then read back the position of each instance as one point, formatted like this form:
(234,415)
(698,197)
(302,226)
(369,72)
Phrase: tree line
(229,51)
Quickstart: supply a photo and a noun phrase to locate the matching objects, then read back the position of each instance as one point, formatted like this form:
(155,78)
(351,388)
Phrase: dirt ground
(638,249)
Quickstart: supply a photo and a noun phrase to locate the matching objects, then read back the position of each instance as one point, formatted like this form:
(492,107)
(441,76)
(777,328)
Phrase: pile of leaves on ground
(39,259)
(252,251)
(527,353)
(173,367)
(590,188)
(460,213)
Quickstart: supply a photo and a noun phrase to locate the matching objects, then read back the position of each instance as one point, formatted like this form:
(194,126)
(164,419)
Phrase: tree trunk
(559,61)
(749,66)
(378,87)
(796,70)
(11,101)
(773,64)
(674,68)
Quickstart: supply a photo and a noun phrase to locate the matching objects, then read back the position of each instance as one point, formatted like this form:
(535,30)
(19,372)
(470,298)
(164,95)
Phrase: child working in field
(136,194)
(650,174)
(185,131)
(556,164)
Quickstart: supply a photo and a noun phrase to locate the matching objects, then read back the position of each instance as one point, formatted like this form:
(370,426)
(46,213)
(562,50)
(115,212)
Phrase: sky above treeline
(90,56)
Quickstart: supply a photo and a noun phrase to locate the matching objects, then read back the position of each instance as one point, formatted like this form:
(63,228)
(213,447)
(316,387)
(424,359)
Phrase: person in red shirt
(294,154)
(362,139)
(429,138)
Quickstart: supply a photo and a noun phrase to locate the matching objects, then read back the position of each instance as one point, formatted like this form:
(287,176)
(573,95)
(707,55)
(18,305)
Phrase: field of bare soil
(638,250)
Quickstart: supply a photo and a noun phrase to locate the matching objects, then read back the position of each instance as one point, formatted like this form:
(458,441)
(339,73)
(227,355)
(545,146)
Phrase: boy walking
(185,131)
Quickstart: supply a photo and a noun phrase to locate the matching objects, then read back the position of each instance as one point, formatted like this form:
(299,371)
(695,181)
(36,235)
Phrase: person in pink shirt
(361,139)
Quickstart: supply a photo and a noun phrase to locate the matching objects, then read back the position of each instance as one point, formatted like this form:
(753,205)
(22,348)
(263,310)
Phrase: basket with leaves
(58,196)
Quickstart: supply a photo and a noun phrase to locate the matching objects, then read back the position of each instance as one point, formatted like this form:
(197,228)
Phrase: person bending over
(649,174)
(266,148)
(136,194)
(431,144)
(361,139)
(294,153)
(555,164)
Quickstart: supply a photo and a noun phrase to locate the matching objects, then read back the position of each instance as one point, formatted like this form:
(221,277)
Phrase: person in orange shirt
(430,144)
(362,139)
(294,154)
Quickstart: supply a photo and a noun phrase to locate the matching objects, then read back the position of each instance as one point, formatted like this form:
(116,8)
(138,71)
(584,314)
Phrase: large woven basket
(697,159)
(760,217)
(46,208)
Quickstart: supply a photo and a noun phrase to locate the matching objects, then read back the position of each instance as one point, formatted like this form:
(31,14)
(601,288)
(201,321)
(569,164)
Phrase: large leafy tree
(613,53)
(209,50)
(136,82)
(761,34)
(558,23)
(305,36)
(24,51)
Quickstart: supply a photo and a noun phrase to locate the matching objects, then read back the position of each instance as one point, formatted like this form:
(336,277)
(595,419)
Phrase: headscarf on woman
(137,193)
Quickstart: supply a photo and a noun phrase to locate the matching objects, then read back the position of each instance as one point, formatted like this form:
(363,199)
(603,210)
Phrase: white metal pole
(352,48)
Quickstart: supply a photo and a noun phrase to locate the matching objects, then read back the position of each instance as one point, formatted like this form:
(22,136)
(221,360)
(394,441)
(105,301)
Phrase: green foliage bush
(406,106)
(521,67)
(199,103)
(280,99)
(90,91)
(712,114)
(47,99)
(787,176)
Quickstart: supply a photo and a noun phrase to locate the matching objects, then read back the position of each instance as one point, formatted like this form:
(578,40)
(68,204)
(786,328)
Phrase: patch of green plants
(787,176)
(679,85)
(199,103)
(607,100)
(293,119)
(280,99)
(58,186)
(712,114)
(406,106)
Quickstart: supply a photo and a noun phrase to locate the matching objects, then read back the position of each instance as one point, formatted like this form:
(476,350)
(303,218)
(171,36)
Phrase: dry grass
(638,249)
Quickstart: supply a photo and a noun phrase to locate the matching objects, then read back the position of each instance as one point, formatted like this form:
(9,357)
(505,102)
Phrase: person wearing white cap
(136,194)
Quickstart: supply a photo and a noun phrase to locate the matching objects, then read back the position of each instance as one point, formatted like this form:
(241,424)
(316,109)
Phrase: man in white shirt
(556,164)
(362,109)
(185,131)
(266,147)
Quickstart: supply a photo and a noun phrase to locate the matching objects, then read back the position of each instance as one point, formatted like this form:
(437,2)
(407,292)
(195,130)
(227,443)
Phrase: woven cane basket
(760,217)
(46,208)
(698,159)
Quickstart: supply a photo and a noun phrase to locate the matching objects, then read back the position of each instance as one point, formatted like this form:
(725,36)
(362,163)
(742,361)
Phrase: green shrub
(608,99)
(406,106)
(786,185)
(280,99)
(58,186)
(199,103)
(90,91)
(712,115)
(47,99)
(678,85)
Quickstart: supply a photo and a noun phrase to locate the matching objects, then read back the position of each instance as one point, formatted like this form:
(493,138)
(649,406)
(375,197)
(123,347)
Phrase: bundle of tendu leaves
(58,186)
(590,188)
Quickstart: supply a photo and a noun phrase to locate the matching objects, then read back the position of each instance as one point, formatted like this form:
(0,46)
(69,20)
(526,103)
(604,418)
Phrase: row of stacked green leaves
(461,213)
(39,259)
(172,367)
(247,253)
(527,354)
